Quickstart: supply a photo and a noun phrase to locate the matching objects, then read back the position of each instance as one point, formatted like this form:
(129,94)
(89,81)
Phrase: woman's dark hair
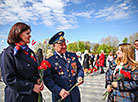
(15,31)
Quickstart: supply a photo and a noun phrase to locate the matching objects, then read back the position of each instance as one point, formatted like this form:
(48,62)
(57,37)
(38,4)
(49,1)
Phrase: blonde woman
(125,89)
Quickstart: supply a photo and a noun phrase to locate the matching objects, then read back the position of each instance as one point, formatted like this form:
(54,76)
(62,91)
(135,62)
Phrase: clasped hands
(38,87)
(64,93)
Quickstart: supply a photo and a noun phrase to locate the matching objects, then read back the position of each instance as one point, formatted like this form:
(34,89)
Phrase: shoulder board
(49,55)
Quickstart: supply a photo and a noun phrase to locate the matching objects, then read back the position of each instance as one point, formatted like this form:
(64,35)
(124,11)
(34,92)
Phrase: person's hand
(80,81)
(109,89)
(41,86)
(38,81)
(36,88)
(63,93)
(114,84)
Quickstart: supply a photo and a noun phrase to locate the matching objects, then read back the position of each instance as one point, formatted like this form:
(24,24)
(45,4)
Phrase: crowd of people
(90,60)
(19,67)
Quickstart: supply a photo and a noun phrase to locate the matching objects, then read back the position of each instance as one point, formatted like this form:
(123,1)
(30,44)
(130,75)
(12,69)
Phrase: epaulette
(49,55)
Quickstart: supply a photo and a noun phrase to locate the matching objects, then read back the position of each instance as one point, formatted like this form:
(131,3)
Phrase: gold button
(69,80)
(70,85)
(69,75)
(67,70)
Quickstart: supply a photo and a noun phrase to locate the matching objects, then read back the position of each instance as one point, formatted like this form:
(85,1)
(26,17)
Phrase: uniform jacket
(127,89)
(63,75)
(19,74)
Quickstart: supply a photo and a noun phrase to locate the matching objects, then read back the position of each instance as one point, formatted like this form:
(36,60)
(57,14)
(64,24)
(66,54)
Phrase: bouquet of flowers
(44,65)
(91,70)
(123,74)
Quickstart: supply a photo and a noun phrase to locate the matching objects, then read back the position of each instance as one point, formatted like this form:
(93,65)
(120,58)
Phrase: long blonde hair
(128,56)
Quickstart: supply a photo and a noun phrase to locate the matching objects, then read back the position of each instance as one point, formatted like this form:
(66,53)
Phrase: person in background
(124,89)
(136,49)
(110,58)
(86,61)
(92,59)
(19,67)
(96,58)
(39,56)
(101,61)
(65,72)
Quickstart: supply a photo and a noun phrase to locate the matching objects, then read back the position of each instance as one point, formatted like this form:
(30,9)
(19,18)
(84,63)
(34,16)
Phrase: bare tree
(110,41)
(133,37)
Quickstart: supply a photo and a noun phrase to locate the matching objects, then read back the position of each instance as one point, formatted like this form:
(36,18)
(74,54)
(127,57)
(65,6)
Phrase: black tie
(63,58)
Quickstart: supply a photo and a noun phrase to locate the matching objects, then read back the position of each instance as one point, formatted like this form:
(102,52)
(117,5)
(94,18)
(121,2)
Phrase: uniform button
(69,75)
(67,70)
(69,80)
(70,85)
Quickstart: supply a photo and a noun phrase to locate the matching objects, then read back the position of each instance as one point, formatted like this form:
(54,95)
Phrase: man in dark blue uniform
(65,72)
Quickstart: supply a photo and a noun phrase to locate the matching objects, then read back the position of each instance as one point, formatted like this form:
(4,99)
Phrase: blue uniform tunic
(63,75)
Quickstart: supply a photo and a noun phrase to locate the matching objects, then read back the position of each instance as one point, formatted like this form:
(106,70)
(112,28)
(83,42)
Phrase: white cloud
(84,14)
(3,36)
(118,10)
(48,12)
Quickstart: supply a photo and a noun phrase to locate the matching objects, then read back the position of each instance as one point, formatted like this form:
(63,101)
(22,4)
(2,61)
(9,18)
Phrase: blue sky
(84,20)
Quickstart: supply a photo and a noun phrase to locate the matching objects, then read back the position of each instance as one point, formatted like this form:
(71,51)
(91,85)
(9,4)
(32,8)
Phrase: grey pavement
(91,90)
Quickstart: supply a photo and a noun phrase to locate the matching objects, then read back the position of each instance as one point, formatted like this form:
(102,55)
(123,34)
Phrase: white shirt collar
(60,54)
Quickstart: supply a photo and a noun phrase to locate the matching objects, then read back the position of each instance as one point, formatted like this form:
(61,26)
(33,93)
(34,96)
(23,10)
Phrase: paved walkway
(91,90)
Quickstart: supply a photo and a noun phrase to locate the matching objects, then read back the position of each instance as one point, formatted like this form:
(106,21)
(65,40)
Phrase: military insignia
(73,58)
(59,66)
(74,65)
(60,33)
(67,70)
(68,61)
(75,70)
(55,68)
(61,38)
(73,74)
(49,55)
(61,73)
(56,64)
(72,71)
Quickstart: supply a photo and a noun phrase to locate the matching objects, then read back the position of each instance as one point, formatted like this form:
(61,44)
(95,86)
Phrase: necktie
(63,58)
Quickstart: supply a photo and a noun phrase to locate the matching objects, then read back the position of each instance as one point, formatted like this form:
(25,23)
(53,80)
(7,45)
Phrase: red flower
(94,69)
(73,64)
(33,42)
(125,74)
(46,63)
(40,67)
(90,70)
(17,47)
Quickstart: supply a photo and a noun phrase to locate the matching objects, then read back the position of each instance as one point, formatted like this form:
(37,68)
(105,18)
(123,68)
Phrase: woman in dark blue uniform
(19,67)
